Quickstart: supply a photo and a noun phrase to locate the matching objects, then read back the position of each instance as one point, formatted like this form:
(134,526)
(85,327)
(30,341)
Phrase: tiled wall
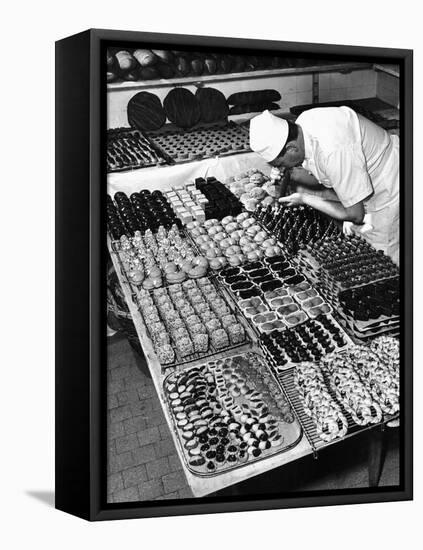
(295,90)
(388,88)
(354,85)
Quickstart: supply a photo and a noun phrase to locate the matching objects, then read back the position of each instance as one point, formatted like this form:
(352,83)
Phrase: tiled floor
(142,459)
(143,464)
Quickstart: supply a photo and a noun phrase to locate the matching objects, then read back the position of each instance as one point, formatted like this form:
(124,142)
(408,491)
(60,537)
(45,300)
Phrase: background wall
(27,303)
(387,88)
(354,85)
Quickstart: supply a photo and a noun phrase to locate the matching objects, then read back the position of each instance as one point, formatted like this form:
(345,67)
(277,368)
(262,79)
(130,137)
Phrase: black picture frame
(80,282)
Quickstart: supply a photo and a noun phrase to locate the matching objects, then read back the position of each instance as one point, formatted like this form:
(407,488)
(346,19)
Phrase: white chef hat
(268,135)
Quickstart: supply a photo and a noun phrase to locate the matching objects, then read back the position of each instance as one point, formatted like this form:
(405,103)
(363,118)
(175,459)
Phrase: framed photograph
(233,274)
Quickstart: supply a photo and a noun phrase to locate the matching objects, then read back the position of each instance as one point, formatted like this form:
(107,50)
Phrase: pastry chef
(343,164)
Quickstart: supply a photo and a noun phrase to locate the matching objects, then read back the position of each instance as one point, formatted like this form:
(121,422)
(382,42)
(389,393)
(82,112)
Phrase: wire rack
(286,380)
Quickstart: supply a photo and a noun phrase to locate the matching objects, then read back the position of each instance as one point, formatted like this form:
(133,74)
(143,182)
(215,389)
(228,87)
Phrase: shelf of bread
(199,81)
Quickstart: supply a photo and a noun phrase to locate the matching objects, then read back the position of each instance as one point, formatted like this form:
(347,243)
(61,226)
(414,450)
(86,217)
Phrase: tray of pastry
(150,260)
(308,341)
(391,327)
(208,141)
(191,321)
(229,413)
(346,393)
(128,149)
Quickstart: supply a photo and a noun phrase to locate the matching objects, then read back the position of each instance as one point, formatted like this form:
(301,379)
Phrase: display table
(202,486)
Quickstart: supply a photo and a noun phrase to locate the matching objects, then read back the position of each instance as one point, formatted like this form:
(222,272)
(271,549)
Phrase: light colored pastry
(241,217)
(227,219)
(224,243)
(234,260)
(252,256)
(230,227)
(260,237)
(247,223)
(215,264)
(148,283)
(211,252)
(197,272)
(220,236)
(170,267)
(269,242)
(200,261)
(176,277)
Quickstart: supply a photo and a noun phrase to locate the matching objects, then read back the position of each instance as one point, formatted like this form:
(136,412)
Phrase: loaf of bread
(255,96)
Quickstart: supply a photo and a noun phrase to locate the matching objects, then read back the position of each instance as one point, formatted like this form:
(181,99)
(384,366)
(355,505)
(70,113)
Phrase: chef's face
(293,155)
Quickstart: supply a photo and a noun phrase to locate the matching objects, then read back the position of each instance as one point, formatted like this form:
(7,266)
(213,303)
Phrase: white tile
(387,95)
(304,82)
(358,92)
(324,81)
(288,84)
(339,80)
(386,80)
(338,94)
(324,95)
(362,78)
(288,100)
(303,98)
(370,90)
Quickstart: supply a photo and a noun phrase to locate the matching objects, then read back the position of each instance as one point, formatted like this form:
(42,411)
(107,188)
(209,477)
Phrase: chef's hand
(348,228)
(292,200)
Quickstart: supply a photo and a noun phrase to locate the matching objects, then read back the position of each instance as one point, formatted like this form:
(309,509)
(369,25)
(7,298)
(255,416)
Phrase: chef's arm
(323,192)
(305,182)
(354,214)
(298,175)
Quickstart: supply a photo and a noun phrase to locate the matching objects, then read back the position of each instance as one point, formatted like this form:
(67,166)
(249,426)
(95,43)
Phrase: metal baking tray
(212,351)
(121,133)
(290,364)
(292,432)
(197,155)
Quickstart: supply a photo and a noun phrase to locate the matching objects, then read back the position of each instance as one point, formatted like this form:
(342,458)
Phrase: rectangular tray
(212,351)
(162,159)
(286,380)
(290,364)
(291,432)
(219,152)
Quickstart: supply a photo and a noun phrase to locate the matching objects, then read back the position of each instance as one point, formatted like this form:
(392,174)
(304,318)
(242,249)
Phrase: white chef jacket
(360,162)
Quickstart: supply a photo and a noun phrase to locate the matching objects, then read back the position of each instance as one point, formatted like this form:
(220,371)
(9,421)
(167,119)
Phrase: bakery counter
(166,177)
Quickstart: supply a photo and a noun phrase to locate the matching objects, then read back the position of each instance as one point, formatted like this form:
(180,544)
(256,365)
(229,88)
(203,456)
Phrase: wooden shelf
(200,80)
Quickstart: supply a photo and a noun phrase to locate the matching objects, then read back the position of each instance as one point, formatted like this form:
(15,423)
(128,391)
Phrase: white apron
(338,141)
(381,222)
